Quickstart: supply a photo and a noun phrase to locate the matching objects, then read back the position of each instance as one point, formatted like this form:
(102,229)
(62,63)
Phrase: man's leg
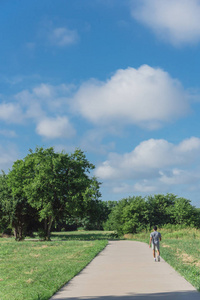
(154,252)
(158,254)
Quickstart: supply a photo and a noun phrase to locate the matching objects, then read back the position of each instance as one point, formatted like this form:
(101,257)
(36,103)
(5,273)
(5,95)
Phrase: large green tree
(58,185)
(47,186)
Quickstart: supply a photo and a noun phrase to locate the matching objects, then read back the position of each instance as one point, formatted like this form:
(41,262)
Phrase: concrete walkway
(125,270)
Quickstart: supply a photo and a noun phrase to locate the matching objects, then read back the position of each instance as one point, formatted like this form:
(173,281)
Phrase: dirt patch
(197,264)
(166,246)
(128,236)
(29,281)
(34,255)
(40,247)
(188,259)
(30,272)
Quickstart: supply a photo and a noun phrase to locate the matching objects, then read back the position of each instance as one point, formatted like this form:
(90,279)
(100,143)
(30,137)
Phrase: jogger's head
(155,228)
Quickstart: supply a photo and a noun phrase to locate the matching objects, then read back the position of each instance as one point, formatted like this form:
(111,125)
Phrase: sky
(117,79)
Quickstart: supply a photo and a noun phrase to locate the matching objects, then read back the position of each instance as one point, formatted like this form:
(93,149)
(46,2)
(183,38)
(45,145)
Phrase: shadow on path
(190,295)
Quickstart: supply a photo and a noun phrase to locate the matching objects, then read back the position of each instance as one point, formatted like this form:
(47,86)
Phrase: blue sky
(118,79)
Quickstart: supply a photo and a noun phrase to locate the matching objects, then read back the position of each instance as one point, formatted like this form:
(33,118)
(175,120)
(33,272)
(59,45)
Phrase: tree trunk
(20,232)
(15,233)
(47,228)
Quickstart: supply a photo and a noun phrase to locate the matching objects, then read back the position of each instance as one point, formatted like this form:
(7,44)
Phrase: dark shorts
(156,247)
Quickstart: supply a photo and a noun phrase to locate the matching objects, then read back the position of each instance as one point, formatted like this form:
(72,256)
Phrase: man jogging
(155,238)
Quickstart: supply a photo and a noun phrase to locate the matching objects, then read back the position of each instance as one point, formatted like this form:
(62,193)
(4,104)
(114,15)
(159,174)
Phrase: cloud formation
(42,103)
(52,128)
(153,160)
(176,21)
(50,96)
(179,176)
(11,113)
(146,97)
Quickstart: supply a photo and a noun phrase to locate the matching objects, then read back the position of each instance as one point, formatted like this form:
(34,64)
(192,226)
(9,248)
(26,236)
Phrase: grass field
(31,270)
(181,249)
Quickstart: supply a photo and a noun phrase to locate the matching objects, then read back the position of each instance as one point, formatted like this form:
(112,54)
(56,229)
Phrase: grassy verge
(181,249)
(83,235)
(36,270)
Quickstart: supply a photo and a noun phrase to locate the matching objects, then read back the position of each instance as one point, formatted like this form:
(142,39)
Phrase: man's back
(156,236)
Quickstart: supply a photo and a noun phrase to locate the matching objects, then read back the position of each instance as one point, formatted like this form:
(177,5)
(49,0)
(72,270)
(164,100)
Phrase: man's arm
(150,241)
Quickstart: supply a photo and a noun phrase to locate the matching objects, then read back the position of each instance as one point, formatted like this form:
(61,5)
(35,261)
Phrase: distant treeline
(133,214)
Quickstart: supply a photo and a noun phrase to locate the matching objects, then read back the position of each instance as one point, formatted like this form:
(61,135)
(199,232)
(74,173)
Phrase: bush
(134,214)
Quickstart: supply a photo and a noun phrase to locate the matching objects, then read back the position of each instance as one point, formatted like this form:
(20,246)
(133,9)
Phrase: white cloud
(178,176)
(44,91)
(144,187)
(63,36)
(42,103)
(174,20)
(146,97)
(31,105)
(154,166)
(11,113)
(188,145)
(47,95)
(149,159)
(44,99)
(52,128)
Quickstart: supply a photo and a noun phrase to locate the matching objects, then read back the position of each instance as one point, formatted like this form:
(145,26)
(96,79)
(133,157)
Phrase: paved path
(125,270)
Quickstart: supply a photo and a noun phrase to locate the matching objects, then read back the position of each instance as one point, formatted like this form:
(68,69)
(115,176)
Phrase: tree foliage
(133,214)
(47,186)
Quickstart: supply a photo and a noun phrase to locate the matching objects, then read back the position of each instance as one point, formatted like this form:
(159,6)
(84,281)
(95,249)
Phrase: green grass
(36,270)
(183,256)
(180,247)
(83,235)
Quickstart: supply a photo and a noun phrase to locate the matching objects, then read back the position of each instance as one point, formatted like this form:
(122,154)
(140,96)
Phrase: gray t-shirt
(155,237)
